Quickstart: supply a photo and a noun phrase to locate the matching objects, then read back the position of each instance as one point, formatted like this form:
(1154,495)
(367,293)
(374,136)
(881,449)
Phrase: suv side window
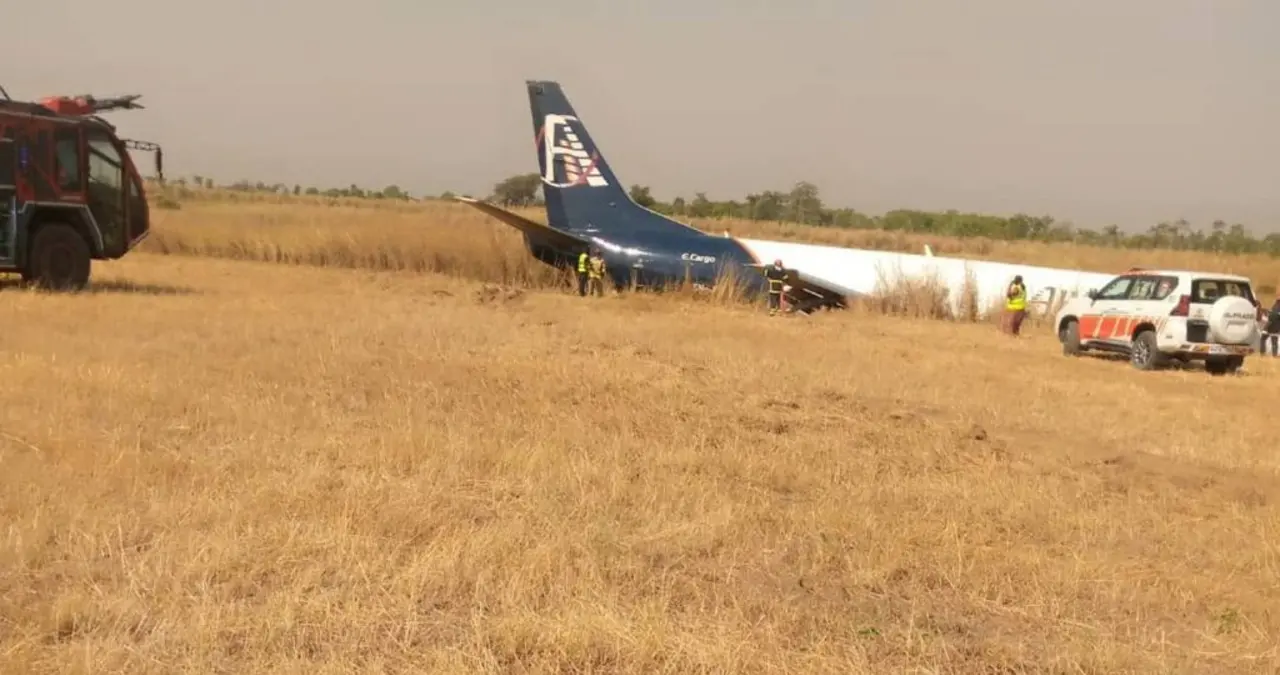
(1209,290)
(1165,287)
(1118,289)
(1152,287)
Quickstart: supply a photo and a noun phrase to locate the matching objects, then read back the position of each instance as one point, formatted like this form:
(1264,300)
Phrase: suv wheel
(1145,352)
(1070,338)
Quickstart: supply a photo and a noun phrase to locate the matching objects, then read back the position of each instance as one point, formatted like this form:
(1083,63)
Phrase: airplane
(587,206)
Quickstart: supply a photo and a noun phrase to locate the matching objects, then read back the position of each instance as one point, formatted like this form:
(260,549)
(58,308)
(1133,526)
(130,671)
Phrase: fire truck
(69,189)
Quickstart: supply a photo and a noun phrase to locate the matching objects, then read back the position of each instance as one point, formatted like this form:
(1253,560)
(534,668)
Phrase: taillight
(1183,308)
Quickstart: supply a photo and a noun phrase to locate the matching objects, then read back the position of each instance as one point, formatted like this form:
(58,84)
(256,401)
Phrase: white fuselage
(861,272)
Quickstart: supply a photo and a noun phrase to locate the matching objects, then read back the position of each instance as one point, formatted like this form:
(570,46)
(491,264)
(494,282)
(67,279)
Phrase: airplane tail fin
(577,183)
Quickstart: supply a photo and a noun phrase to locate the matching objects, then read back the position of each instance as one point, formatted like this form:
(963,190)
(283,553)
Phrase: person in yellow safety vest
(595,273)
(777,276)
(1015,305)
(582,274)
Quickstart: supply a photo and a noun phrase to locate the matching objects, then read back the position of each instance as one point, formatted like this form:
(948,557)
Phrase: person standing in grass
(1015,306)
(777,276)
(595,273)
(1271,330)
(582,274)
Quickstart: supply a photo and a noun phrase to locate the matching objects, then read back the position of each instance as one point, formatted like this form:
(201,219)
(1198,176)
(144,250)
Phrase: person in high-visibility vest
(582,273)
(595,273)
(1015,305)
(777,276)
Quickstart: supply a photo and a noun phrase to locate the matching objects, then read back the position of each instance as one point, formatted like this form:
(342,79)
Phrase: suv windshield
(1209,290)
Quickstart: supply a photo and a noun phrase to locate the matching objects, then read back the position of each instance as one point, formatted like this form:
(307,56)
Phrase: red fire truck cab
(69,189)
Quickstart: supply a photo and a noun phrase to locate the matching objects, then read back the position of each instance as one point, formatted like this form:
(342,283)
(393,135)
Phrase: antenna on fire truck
(5,93)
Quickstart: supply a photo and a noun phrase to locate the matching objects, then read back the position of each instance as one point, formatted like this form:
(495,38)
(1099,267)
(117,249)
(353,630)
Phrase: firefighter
(582,273)
(595,272)
(777,276)
(1015,305)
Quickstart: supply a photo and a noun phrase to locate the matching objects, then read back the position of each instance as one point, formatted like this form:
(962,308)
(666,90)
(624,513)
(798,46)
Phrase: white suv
(1156,316)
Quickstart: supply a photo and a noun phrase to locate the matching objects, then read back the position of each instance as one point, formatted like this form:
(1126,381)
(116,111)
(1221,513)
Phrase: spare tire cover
(1233,320)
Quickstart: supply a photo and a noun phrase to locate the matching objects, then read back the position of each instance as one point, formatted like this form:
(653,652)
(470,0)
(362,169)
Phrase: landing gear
(805,305)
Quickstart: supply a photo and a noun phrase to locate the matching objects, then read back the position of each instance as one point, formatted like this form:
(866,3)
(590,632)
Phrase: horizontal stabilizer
(533,229)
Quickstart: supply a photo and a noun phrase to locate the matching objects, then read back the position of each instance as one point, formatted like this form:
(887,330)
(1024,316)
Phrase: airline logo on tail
(562,147)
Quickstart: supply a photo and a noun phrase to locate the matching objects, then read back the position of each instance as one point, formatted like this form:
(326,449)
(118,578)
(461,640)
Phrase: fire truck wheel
(59,258)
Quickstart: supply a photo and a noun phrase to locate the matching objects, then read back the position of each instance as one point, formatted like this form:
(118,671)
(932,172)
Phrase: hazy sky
(1097,111)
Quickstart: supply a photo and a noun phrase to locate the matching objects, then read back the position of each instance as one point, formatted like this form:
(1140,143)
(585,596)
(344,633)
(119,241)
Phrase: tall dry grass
(228,467)
(451,238)
(442,240)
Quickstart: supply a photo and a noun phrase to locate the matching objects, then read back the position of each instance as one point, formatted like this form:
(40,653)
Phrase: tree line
(352,190)
(803,203)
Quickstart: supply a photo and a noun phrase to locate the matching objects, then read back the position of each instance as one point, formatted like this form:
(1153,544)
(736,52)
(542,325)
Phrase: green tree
(803,204)
(640,195)
(520,190)
(700,207)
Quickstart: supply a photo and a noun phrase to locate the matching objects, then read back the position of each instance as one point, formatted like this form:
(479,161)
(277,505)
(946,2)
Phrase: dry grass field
(227,466)
(452,238)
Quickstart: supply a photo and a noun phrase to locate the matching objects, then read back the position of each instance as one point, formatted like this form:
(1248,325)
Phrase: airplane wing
(532,229)
(805,292)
